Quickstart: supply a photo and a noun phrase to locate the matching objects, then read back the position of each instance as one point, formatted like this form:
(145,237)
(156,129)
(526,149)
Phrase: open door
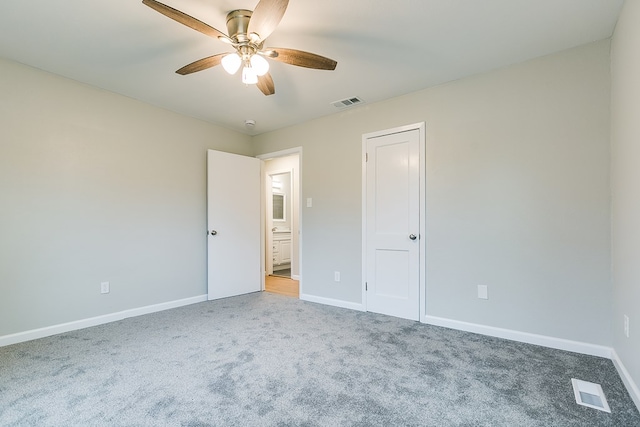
(233,221)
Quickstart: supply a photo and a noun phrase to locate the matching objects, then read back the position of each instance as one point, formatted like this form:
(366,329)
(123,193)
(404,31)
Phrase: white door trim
(421,127)
(284,153)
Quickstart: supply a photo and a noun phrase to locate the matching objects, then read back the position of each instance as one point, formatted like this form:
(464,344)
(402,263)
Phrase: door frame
(421,127)
(273,155)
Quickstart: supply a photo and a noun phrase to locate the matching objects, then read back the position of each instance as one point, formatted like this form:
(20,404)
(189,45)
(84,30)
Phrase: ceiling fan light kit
(259,65)
(249,76)
(231,63)
(247,32)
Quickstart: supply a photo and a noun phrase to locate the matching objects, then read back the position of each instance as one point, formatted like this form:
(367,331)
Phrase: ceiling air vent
(347,102)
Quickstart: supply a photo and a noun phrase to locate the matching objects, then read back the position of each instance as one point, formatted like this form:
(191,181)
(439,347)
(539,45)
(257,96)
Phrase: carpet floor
(268,360)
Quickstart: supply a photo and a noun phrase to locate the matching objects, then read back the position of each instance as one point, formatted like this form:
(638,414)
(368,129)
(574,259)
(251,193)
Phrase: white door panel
(233,214)
(392,283)
(391,193)
(392,218)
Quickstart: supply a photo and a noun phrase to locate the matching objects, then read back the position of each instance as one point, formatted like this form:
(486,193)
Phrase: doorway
(282,236)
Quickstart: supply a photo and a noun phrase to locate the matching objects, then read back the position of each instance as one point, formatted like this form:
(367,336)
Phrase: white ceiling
(383,48)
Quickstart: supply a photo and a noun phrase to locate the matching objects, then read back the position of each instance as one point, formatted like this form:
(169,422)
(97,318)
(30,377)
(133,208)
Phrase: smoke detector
(250,124)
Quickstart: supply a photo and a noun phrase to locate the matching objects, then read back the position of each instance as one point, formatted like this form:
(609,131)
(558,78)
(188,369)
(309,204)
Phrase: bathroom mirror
(279,202)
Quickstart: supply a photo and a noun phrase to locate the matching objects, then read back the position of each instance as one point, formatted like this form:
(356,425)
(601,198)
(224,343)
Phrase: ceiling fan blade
(265,84)
(183,18)
(266,17)
(202,64)
(301,58)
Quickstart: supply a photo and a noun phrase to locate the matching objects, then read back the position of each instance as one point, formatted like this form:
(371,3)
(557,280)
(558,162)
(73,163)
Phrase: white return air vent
(347,102)
(590,395)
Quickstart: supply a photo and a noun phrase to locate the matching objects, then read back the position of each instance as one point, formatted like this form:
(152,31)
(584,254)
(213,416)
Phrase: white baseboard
(509,334)
(545,341)
(94,321)
(295,276)
(632,387)
(333,302)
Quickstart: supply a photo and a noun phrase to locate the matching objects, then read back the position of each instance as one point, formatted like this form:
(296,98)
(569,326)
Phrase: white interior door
(392,224)
(233,221)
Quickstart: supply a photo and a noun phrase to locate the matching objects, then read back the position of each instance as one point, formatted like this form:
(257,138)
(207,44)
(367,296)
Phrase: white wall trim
(333,302)
(281,153)
(363,255)
(510,334)
(265,249)
(632,387)
(95,321)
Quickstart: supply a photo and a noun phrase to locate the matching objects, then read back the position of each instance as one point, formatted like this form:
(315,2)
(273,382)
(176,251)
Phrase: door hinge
(366,286)
(366,157)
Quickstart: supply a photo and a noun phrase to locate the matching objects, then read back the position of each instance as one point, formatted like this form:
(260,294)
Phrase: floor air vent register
(590,395)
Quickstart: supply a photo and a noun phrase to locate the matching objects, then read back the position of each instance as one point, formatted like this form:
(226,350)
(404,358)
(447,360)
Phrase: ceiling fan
(247,32)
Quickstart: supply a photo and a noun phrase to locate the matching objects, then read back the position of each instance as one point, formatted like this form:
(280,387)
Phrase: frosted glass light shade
(259,64)
(249,76)
(231,63)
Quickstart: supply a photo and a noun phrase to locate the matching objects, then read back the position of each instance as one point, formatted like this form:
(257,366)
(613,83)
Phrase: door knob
(413,236)
(214,232)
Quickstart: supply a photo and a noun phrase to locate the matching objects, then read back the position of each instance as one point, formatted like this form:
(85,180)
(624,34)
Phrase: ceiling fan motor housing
(238,24)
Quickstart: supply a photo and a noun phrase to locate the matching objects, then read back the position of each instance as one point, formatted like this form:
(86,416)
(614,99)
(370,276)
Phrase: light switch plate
(626,326)
(483,292)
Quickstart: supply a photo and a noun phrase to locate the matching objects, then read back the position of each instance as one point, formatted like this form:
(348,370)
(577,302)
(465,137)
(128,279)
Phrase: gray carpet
(267,360)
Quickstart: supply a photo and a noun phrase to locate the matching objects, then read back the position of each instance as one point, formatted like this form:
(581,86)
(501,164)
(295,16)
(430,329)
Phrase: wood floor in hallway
(282,286)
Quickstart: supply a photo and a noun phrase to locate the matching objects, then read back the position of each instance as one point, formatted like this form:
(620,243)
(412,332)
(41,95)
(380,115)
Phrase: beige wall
(517,195)
(97,187)
(101,187)
(625,185)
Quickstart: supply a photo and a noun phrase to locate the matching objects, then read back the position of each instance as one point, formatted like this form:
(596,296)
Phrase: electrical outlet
(104,287)
(483,292)
(336,276)
(626,326)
